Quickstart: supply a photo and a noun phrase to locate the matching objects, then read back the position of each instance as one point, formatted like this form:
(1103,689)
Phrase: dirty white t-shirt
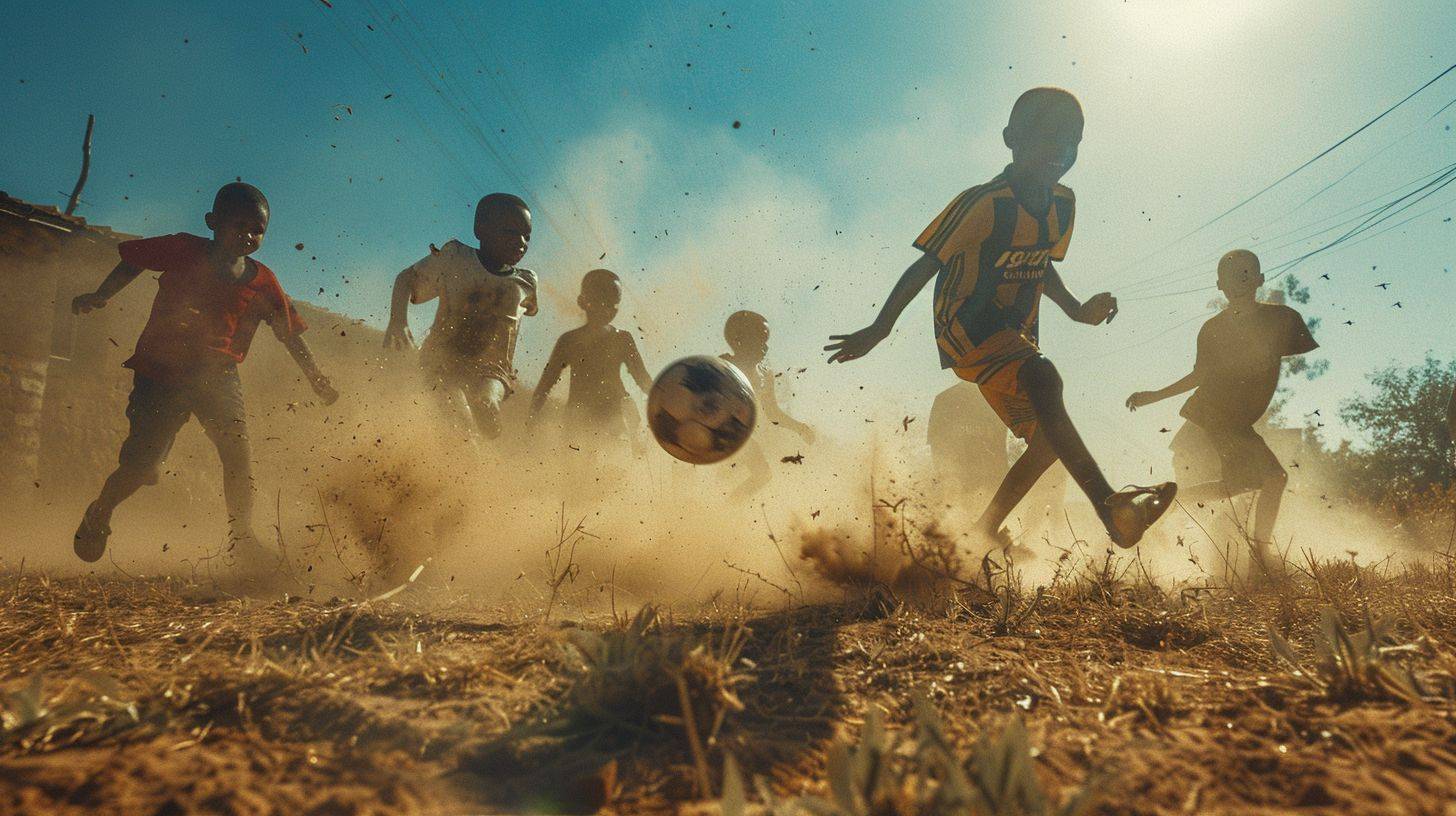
(479,313)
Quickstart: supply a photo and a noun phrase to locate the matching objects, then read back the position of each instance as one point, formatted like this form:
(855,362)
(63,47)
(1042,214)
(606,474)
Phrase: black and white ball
(701,410)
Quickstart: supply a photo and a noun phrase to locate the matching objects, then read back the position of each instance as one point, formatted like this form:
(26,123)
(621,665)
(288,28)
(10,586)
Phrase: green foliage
(641,676)
(891,774)
(1352,666)
(1408,439)
(1293,291)
(92,705)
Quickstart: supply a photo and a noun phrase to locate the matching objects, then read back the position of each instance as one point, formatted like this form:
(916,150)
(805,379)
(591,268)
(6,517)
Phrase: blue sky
(858,121)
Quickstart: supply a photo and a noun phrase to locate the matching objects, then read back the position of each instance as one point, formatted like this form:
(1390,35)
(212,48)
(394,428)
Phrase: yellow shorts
(995,366)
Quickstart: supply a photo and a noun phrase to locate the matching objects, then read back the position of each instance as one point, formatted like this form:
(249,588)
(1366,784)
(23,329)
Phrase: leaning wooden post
(85,165)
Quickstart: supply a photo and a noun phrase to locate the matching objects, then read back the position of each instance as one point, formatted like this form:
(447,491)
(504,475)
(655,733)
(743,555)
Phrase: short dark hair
(593,282)
(491,205)
(739,322)
(236,196)
(1033,106)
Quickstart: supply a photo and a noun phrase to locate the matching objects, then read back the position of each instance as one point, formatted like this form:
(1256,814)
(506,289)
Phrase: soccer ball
(701,410)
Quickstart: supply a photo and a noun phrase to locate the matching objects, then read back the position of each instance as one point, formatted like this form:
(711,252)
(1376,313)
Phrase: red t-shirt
(199,315)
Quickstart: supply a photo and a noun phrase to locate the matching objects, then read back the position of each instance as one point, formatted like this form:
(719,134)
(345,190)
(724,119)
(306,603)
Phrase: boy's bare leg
(1043,385)
(1019,480)
(485,407)
(455,412)
(759,472)
(119,486)
(236,456)
(1271,494)
(154,418)
(1205,492)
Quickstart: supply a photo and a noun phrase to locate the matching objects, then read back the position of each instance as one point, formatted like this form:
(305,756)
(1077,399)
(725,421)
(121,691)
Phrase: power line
(1288,175)
(1369,223)
(1367,159)
(1163,279)
(495,73)
(1365,227)
(419,117)
(1329,149)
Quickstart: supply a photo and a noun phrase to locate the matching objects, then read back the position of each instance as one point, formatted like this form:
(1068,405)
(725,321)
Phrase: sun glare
(1191,24)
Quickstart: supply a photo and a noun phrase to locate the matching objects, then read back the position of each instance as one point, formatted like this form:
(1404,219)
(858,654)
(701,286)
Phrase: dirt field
(153,696)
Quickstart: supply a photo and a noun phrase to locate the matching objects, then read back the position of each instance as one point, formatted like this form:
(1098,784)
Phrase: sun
(1190,24)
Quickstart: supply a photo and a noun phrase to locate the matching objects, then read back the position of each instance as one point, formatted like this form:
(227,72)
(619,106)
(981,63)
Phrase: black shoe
(91,536)
(1129,512)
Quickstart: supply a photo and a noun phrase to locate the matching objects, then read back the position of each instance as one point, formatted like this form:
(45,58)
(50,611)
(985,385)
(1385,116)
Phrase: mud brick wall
(22,385)
(25,319)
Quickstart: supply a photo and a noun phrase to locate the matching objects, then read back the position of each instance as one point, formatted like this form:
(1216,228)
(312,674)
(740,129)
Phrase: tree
(1407,435)
(1295,292)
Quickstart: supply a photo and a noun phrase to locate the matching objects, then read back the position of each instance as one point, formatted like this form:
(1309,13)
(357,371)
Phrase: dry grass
(127,696)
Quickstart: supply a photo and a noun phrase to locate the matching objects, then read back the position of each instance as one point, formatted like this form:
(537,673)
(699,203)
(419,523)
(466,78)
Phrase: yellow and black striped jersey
(994,258)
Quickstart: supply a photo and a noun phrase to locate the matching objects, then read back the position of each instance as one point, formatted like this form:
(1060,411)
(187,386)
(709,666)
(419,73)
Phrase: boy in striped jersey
(991,252)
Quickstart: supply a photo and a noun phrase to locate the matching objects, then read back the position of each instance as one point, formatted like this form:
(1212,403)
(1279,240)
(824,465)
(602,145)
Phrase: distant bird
(1349,322)
(905,423)
(1382,286)
(1397,305)
(1326,276)
(796,459)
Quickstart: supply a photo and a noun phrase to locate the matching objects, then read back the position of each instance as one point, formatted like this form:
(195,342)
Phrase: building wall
(27,254)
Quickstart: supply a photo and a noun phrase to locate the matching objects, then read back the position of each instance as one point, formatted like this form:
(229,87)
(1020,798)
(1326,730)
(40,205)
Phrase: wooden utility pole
(85,165)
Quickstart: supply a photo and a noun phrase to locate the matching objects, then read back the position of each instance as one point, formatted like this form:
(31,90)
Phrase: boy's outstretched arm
(1101,307)
(301,354)
(1141,398)
(635,367)
(848,347)
(397,334)
(116,280)
(776,413)
(554,366)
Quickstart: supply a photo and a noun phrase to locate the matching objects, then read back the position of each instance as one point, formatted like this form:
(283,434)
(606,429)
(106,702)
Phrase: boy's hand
(848,347)
(397,337)
(82,304)
(325,390)
(1100,308)
(1140,399)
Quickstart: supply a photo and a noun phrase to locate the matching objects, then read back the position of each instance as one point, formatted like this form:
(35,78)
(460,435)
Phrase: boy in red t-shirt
(210,299)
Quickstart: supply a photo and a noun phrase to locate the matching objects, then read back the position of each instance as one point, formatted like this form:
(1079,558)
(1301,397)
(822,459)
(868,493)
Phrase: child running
(969,456)
(747,335)
(991,252)
(1234,376)
(468,356)
(598,409)
(210,298)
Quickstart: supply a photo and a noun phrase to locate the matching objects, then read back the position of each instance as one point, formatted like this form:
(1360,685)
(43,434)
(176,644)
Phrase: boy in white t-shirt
(468,355)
